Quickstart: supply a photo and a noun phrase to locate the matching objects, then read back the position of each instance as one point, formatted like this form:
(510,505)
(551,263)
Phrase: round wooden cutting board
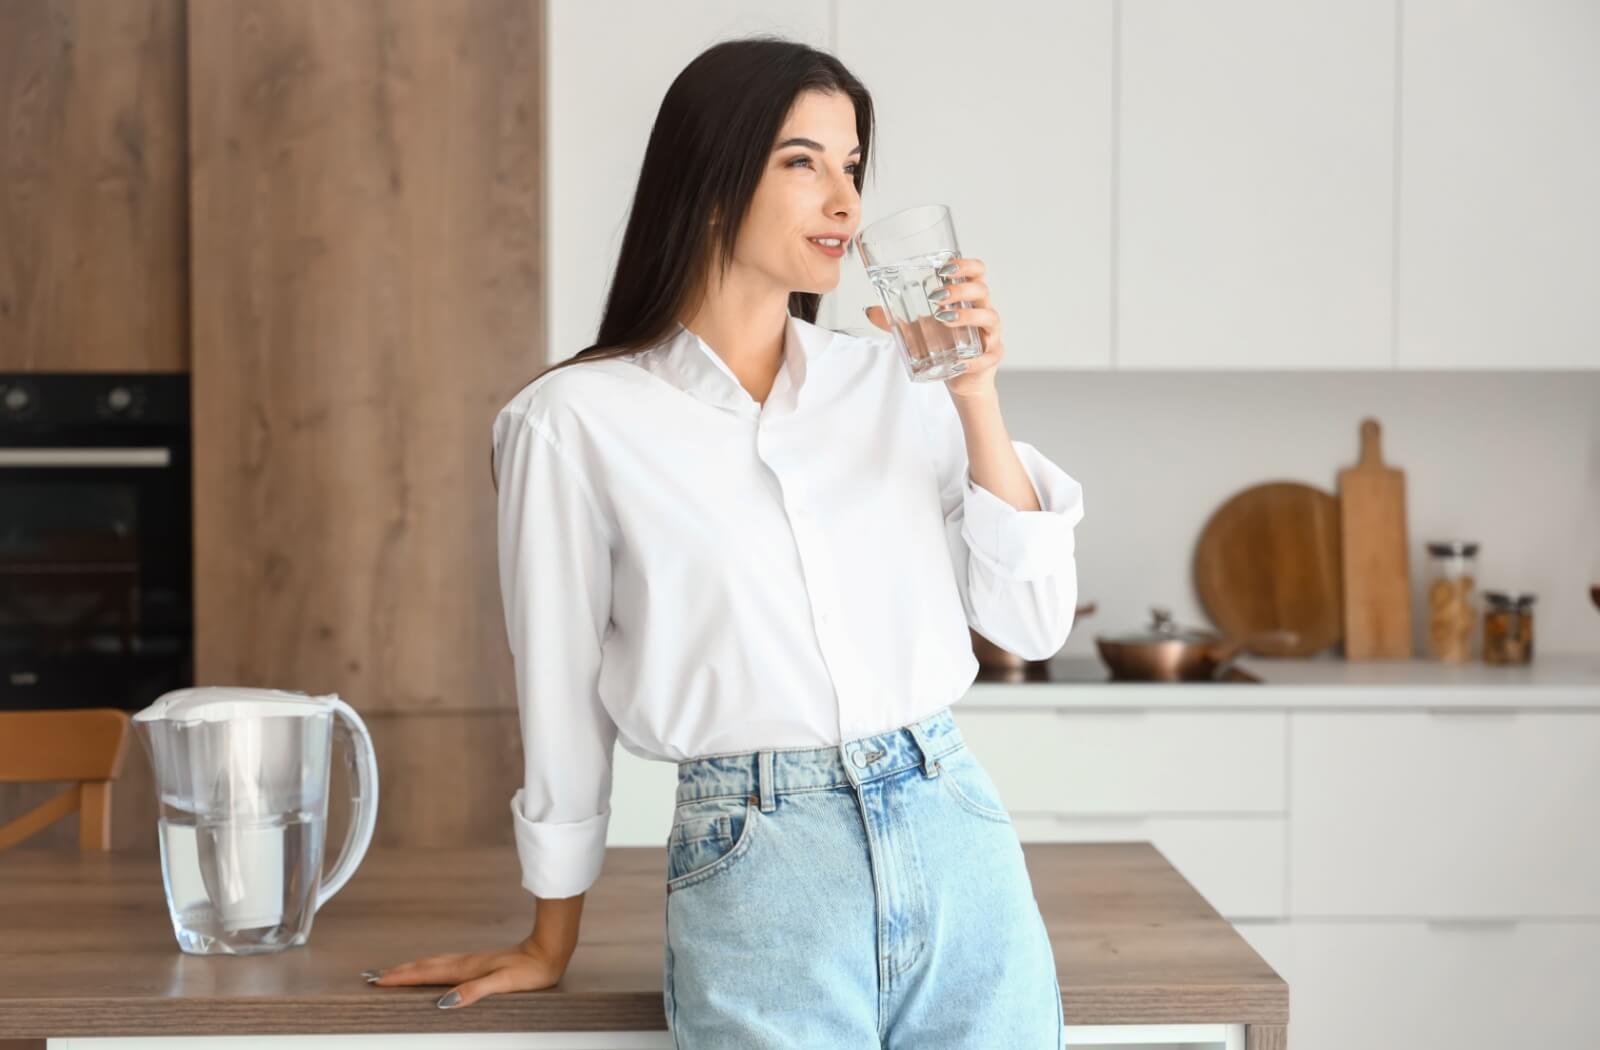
(1268,559)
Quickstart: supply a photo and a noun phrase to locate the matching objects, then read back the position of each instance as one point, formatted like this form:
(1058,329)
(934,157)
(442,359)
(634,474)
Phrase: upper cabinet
(1006,118)
(1499,242)
(93,223)
(1255,172)
(1238,184)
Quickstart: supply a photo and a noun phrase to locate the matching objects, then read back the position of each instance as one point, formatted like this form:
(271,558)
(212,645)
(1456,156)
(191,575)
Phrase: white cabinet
(1255,184)
(1134,761)
(1423,877)
(1421,986)
(642,796)
(1445,813)
(1161,184)
(1006,117)
(1206,788)
(1499,217)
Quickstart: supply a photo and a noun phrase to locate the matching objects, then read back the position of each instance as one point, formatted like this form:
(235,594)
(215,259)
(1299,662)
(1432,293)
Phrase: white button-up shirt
(691,572)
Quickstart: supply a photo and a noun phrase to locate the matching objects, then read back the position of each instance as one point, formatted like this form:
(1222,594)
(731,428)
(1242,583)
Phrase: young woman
(737,541)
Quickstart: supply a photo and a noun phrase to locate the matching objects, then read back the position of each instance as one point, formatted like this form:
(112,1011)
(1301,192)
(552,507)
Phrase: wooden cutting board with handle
(1268,560)
(1377,577)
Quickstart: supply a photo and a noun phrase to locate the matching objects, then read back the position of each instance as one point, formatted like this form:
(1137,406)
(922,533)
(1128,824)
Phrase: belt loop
(930,765)
(764,774)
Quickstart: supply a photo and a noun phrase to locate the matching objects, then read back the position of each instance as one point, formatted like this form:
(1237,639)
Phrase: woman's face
(808,190)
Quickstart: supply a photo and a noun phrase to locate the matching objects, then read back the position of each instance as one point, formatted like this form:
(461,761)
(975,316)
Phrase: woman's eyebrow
(809,143)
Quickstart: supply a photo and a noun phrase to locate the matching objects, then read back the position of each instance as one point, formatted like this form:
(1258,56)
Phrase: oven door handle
(85,457)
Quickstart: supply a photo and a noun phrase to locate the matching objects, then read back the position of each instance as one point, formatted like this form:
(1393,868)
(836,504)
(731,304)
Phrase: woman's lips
(832,253)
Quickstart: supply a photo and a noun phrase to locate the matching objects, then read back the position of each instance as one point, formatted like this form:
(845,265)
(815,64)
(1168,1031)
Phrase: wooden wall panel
(93,194)
(445,779)
(366,203)
(366,207)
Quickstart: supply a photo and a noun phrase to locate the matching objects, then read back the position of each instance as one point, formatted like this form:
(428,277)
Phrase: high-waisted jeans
(870,895)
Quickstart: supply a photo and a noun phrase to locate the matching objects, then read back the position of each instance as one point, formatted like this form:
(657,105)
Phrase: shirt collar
(684,360)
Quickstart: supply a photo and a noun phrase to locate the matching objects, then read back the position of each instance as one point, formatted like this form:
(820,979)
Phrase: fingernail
(372,975)
(948,268)
(449,999)
(939,295)
(945,315)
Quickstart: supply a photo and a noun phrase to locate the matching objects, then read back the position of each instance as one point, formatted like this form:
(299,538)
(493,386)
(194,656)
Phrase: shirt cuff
(559,859)
(1024,544)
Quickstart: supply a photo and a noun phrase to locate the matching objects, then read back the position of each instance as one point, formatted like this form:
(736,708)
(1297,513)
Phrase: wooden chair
(84,745)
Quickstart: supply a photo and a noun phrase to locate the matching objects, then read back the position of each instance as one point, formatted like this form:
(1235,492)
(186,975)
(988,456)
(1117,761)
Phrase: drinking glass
(902,253)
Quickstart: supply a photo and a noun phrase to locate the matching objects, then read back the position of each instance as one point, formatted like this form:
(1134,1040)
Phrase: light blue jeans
(870,895)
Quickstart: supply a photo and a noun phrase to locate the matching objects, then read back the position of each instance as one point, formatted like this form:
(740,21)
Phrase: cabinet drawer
(1134,761)
(1405,985)
(1439,814)
(1237,863)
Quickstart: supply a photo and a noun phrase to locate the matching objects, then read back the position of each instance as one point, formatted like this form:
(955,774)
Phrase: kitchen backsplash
(1511,460)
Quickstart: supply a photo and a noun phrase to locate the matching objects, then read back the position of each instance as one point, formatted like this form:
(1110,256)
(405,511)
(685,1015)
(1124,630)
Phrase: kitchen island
(88,958)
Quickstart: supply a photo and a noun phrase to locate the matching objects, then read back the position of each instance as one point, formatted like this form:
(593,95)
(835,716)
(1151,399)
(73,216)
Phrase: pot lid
(1163,629)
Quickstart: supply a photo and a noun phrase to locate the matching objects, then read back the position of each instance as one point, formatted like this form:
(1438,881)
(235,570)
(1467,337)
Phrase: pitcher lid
(220,703)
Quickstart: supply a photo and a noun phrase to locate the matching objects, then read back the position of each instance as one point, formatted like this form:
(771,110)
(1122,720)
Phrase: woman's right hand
(524,967)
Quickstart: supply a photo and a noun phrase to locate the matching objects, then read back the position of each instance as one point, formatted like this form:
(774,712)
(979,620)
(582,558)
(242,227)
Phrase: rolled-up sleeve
(1016,569)
(555,584)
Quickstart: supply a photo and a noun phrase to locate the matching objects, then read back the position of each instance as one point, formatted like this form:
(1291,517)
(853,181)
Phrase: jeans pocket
(969,785)
(707,836)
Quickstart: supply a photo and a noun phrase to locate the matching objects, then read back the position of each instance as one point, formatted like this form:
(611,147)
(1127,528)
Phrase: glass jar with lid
(1507,627)
(1449,584)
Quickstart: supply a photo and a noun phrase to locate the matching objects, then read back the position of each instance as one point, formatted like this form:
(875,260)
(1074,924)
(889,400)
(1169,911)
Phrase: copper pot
(1165,652)
(992,656)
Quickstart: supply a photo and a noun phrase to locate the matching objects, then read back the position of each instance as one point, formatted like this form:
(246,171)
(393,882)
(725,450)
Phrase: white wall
(1511,460)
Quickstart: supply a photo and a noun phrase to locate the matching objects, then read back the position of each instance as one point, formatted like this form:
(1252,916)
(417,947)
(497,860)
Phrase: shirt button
(825,618)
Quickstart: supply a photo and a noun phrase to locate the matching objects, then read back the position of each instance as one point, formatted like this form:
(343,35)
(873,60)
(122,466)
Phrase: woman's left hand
(966,285)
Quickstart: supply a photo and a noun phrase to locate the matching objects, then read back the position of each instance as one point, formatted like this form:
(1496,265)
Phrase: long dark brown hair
(709,146)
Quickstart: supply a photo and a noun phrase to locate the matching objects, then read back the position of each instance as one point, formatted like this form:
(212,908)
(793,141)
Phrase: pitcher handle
(362,767)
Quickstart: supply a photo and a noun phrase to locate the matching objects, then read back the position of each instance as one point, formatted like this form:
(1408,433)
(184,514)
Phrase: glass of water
(902,253)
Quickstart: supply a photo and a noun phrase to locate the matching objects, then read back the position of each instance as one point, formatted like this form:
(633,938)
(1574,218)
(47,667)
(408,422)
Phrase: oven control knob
(15,398)
(119,399)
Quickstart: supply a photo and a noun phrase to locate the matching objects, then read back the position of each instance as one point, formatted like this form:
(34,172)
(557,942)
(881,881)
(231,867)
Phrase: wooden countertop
(86,948)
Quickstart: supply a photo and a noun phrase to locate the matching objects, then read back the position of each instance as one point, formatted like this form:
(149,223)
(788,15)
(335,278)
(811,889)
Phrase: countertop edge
(1560,681)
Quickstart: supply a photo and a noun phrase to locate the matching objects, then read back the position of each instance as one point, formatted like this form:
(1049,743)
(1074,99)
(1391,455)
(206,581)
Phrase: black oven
(96,595)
